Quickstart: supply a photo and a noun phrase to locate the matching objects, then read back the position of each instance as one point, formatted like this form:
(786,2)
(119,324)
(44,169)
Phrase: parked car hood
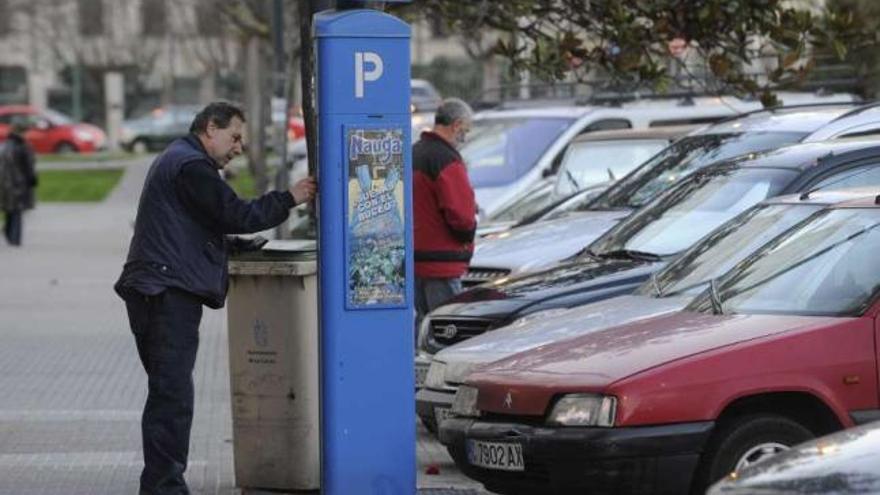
(462,358)
(505,297)
(486,228)
(592,362)
(489,198)
(541,244)
(843,463)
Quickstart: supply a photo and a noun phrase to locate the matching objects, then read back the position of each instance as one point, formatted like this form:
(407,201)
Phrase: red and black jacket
(444,207)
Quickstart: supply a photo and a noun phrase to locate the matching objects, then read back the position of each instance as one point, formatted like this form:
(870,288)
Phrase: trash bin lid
(291,246)
(278,258)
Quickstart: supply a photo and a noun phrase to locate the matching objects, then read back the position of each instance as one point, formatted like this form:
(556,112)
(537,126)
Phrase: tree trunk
(255,110)
(307,73)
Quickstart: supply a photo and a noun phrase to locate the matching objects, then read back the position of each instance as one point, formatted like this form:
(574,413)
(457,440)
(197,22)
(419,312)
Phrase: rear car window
(500,151)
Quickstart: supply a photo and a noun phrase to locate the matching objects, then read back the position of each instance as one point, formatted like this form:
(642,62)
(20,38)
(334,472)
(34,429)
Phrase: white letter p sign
(361,59)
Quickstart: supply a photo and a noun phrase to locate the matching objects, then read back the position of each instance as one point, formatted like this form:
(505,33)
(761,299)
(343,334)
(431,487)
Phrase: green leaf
(720,65)
(791,58)
(839,49)
(768,99)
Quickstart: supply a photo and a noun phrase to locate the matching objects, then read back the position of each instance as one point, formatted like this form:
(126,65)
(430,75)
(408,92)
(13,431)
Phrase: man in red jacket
(444,207)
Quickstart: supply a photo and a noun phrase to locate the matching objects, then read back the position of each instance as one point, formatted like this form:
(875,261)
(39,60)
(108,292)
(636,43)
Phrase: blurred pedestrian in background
(444,208)
(18,178)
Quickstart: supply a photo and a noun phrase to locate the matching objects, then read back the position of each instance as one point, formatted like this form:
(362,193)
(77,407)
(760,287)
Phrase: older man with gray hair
(444,207)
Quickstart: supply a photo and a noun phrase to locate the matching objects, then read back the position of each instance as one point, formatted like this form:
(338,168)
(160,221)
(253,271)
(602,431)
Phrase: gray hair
(218,112)
(452,109)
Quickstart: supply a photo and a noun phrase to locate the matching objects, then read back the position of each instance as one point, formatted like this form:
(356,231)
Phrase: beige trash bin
(273,360)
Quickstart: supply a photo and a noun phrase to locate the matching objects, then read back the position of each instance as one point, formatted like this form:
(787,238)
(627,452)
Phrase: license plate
(496,455)
(441,414)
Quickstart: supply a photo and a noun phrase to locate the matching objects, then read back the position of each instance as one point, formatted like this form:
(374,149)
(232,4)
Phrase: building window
(154,18)
(13,85)
(91,17)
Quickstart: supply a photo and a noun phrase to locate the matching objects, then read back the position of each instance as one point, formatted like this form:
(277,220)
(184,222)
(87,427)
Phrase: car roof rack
(575,93)
(597,93)
(794,106)
(855,111)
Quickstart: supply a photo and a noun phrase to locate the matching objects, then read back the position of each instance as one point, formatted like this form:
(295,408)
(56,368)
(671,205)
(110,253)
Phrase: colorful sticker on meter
(375,241)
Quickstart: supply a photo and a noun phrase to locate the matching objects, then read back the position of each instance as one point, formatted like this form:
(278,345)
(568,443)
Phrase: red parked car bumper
(559,460)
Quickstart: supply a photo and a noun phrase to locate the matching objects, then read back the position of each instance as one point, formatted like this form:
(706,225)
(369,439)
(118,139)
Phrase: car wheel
(745,441)
(140,147)
(65,148)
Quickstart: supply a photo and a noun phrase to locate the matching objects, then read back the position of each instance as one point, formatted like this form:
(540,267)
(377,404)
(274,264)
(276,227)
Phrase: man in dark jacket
(176,263)
(444,208)
(18,178)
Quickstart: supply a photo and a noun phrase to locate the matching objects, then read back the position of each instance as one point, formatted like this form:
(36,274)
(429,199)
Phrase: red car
(296,128)
(52,132)
(780,349)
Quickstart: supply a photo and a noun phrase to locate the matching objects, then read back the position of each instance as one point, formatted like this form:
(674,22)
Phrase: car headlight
(436,378)
(84,135)
(465,403)
(584,410)
(537,315)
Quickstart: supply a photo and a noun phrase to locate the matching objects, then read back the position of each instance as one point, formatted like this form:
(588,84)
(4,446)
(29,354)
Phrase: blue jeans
(166,331)
(12,227)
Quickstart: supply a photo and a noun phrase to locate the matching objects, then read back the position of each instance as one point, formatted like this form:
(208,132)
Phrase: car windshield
(499,151)
(725,247)
(679,218)
(567,205)
(528,204)
(828,266)
(57,118)
(588,163)
(682,158)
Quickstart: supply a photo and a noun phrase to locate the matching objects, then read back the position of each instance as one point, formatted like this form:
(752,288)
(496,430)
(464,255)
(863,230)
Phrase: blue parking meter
(365,253)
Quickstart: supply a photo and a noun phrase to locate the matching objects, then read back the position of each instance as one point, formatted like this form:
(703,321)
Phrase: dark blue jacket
(184,212)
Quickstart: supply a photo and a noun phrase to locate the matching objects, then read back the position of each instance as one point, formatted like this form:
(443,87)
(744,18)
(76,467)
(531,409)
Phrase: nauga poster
(375,237)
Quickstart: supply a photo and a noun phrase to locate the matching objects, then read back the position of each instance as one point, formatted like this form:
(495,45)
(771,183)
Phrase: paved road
(71,387)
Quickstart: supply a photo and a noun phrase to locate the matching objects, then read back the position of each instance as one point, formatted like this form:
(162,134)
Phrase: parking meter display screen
(375,242)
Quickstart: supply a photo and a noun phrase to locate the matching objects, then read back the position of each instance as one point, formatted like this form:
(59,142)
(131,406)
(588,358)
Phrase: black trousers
(166,331)
(12,227)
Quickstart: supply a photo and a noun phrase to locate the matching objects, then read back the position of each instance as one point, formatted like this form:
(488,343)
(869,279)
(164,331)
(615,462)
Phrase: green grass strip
(243,184)
(96,157)
(77,185)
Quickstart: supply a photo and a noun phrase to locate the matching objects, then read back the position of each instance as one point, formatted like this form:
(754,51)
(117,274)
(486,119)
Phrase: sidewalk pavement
(71,386)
